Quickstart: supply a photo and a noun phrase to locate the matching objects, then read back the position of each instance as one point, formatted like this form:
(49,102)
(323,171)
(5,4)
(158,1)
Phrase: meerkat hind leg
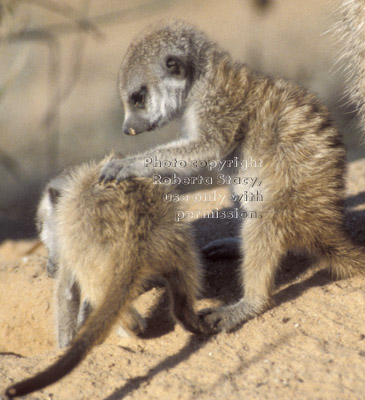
(184,285)
(182,302)
(262,257)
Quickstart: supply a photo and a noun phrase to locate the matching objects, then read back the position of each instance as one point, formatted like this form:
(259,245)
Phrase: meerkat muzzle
(131,131)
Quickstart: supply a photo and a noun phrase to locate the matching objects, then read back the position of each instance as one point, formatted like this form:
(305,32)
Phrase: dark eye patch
(176,67)
(138,98)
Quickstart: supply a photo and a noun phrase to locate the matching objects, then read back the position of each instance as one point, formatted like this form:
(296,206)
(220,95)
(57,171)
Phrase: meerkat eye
(138,99)
(175,66)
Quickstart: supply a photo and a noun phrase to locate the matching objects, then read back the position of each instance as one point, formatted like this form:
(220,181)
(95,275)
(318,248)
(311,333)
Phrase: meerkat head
(157,74)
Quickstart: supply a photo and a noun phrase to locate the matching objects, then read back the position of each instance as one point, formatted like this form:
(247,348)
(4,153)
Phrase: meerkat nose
(131,131)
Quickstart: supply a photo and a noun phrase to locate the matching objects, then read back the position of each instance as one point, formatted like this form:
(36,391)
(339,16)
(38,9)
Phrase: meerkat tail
(94,331)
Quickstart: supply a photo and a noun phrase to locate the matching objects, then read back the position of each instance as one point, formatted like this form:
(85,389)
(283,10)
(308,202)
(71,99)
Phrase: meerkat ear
(176,66)
(54,195)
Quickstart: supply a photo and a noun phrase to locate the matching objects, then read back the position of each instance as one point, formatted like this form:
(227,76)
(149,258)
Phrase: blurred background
(59,62)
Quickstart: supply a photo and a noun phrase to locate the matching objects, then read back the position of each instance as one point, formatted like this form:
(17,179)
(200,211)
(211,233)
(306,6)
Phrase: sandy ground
(310,345)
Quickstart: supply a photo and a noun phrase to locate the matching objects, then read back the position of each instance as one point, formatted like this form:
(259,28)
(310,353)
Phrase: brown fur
(230,111)
(110,240)
(302,178)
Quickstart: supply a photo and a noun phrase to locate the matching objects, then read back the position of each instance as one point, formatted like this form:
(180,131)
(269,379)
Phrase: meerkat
(229,112)
(106,241)
(351,26)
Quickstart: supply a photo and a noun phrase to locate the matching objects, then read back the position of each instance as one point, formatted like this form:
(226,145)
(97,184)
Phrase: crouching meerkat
(105,242)
(230,113)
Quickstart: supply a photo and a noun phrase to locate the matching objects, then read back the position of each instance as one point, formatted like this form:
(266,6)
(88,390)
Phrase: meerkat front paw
(116,170)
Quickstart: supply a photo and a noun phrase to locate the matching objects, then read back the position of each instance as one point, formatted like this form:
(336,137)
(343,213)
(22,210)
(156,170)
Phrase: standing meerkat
(105,243)
(231,113)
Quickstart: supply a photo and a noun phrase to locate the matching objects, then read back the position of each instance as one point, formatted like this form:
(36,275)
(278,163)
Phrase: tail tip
(10,393)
